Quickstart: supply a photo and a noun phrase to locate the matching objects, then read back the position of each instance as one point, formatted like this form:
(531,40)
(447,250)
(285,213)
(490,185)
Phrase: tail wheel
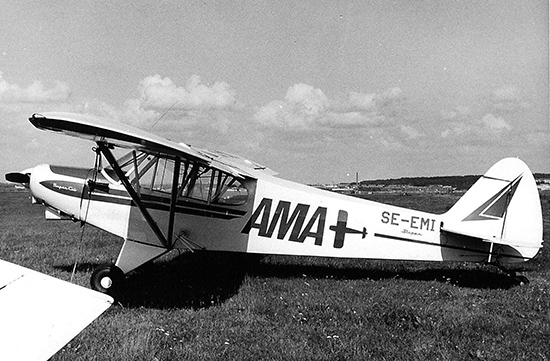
(107,279)
(521,280)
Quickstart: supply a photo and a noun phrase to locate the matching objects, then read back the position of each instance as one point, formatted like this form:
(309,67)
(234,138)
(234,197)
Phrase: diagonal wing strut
(166,241)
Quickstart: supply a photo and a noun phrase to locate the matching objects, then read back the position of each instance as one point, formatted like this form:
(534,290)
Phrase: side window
(149,173)
(213,186)
(161,173)
(153,173)
(233,194)
(201,185)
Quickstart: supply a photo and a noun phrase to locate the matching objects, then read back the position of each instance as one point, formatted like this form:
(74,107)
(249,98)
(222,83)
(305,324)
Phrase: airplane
(162,196)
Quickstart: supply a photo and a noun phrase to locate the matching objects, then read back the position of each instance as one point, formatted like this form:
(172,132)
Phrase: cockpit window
(213,186)
(154,174)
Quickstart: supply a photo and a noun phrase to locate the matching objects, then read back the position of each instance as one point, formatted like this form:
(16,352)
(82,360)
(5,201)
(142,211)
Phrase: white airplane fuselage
(163,195)
(277,217)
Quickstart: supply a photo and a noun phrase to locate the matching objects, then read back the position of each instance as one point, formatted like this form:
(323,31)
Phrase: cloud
(34,93)
(507,99)
(159,97)
(135,112)
(362,101)
(307,99)
(487,129)
(307,108)
(390,97)
(201,114)
(487,120)
(458,113)
(495,123)
(157,92)
(353,119)
(302,106)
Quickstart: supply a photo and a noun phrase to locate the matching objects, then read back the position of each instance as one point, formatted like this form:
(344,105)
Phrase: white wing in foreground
(39,314)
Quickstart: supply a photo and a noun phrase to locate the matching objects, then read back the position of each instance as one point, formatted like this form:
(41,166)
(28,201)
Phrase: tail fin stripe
(494,178)
(496,206)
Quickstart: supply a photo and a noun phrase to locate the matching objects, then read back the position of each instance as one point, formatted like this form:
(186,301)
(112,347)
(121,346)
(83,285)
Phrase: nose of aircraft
(59,188)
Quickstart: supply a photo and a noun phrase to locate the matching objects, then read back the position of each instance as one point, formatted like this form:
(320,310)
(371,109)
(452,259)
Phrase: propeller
(16,177)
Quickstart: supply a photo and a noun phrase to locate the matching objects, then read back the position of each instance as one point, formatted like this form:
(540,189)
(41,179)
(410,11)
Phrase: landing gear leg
(134,254)
(107,279)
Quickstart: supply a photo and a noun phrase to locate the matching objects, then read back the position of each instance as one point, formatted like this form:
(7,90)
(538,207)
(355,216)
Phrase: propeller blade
(18,177)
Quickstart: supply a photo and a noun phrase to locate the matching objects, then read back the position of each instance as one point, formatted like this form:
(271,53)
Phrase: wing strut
(136,198)
(173,200)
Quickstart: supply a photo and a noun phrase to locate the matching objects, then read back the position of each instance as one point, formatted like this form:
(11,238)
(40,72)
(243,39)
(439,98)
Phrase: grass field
(222,307)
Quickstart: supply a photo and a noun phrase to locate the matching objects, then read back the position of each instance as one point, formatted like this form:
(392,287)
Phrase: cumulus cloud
(187,104)
(155,95)
(311,101)
(130,112)
(496,123)
(487,120)
(158,92)
(305,107)
(390,97)
(135,112)
(362,101)
(302,106)
(487,128)
(34,93)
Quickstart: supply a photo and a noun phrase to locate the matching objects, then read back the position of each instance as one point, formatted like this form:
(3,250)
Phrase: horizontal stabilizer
(40,314)
(498,240)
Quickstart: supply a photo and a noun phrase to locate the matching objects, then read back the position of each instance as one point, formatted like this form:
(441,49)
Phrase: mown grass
(218,306)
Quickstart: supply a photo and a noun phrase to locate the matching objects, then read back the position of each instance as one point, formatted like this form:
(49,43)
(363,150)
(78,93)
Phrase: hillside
(439,184)
(457,182)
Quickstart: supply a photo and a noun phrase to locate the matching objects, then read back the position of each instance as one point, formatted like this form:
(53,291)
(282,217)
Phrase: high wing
(125,136)
(40,314)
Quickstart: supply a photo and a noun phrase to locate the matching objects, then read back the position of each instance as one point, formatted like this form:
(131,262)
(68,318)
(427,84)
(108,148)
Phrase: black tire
(107,279)
(522,280)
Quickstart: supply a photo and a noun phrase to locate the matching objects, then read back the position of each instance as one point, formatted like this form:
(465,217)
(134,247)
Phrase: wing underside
(125,136)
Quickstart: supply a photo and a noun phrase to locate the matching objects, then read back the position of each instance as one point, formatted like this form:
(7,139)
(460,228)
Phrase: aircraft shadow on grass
(201,280)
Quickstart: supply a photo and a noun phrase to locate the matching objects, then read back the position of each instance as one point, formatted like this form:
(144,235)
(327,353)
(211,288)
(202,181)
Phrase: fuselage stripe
(448,246)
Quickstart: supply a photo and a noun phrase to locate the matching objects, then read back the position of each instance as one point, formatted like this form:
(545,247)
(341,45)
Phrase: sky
(315,90)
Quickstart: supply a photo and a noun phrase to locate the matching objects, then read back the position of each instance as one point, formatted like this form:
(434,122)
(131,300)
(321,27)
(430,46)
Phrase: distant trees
(459,182)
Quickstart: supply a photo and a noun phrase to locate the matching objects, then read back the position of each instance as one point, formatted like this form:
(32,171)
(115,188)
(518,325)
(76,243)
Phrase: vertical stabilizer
(502,207)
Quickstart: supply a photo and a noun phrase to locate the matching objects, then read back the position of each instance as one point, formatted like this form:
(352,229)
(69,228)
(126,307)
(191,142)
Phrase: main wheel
(107,279)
